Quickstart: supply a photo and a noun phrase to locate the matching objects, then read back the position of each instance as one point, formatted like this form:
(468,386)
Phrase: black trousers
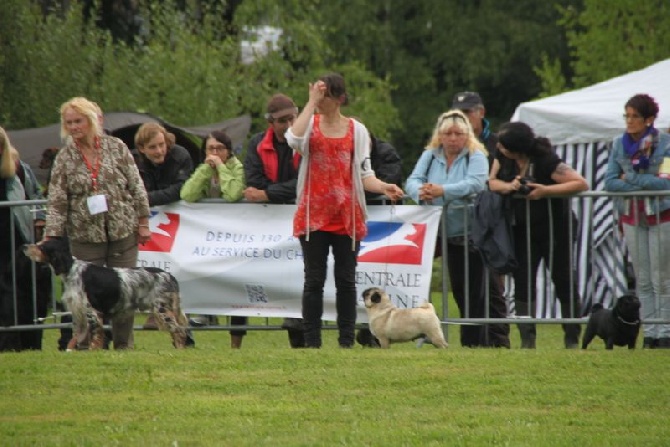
(558,256)
(470,305)
(496,335)
(473,305)
(315,257)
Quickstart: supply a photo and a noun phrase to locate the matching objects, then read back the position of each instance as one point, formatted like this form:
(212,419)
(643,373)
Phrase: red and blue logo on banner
(393,243)
(164,227)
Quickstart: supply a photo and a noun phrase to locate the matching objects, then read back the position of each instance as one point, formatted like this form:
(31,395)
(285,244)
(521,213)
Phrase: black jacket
(489,140)
(284,190)
(163,182)
(492,231)
(387,165)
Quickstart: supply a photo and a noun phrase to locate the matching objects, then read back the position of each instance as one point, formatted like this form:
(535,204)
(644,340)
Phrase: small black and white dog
(619,326)
(90,290)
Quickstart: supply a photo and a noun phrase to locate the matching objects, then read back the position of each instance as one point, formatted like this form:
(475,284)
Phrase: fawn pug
(390,324)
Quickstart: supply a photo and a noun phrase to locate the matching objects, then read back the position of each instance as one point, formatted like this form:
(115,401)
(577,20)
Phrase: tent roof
(594,113)
(32,142)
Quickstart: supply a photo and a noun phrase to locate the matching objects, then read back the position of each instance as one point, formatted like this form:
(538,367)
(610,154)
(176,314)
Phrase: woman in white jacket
(333,176)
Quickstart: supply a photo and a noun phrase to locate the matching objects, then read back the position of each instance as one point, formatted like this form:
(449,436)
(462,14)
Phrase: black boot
(527,331)
(649,343)
(528,335)
(365,338)
(571,337)
(296,338)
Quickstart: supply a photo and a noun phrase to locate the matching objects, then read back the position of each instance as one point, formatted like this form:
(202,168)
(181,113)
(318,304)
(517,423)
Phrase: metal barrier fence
(597,257)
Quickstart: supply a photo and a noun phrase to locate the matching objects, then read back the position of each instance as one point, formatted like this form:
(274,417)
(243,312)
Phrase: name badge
(96,204)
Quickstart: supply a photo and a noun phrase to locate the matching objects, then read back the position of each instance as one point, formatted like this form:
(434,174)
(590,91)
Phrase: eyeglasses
(627,117)
(216,148)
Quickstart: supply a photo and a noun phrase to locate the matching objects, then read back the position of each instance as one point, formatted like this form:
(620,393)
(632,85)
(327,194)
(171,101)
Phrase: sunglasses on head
(284,119)
(453,116)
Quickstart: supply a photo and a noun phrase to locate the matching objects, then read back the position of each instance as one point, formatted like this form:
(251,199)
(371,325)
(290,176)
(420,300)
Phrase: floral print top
(71,185)
(329,202)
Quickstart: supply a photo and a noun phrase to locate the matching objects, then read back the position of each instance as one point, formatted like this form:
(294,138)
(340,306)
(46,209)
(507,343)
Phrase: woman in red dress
(333,178)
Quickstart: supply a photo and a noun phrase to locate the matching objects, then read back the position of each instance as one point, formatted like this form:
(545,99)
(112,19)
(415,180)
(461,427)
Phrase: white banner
(242,259)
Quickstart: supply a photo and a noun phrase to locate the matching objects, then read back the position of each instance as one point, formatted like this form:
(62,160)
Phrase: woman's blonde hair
(456,118)
(89,109)
(7,157)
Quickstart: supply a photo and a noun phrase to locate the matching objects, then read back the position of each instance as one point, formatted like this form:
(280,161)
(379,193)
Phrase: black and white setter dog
(91,290)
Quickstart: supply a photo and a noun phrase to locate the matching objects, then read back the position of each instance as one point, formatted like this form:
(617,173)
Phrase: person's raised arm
(316,91)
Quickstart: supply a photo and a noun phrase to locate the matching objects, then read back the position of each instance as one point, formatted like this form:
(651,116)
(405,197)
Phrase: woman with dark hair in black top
(527,165)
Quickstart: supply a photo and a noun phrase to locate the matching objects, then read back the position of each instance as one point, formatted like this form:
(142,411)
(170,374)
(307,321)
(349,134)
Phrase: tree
(607,39)
(431,49)
(183,66)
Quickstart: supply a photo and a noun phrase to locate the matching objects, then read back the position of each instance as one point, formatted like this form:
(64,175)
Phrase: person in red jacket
(271,171)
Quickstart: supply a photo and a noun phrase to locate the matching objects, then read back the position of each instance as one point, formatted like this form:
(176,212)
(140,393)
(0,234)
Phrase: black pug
(619,326)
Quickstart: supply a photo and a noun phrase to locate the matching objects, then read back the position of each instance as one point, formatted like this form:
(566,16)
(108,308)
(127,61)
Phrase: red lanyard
(93,170)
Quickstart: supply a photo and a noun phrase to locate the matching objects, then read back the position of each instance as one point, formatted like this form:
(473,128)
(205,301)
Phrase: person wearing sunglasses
(271,170)
(270,166)
(452,168)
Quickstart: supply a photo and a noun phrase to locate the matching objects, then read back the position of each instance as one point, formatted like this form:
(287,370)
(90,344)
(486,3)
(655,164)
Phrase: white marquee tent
(581,125)
(594,113)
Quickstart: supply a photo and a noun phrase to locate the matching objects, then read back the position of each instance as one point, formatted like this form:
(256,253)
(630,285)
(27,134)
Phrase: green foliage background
(403,61)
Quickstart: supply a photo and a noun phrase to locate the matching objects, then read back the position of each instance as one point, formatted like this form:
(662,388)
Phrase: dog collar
(628,322)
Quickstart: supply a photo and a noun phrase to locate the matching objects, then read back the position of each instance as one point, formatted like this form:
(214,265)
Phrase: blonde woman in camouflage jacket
(97,198)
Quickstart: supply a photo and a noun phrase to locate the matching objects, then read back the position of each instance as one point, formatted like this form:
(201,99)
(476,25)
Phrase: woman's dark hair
(336,87)
(519,138)
(644,104)
(221,137)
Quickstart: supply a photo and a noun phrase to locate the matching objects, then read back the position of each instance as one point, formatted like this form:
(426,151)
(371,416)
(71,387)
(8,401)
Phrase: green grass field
(270,395)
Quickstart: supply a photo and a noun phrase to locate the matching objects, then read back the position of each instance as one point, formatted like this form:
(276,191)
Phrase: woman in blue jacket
(640,161)
(453,168)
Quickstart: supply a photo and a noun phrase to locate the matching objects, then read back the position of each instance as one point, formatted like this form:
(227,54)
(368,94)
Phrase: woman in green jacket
(220,176)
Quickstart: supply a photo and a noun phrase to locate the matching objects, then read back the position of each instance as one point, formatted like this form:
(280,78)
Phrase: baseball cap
(466,100)
(279,106)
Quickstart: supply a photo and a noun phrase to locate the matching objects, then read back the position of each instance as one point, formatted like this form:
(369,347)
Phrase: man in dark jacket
(271,171)
(470,103)
(386,163)
(164,167)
